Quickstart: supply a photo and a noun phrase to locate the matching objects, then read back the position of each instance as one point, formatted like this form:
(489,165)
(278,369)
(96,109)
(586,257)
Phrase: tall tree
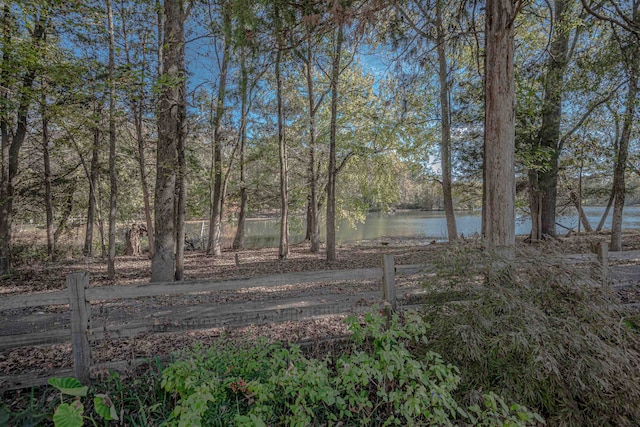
(420,18)
(499,131)
(93,175)
(46,157)
(283,251)
(624,18)
(113,178)
(543,180)
(171,122)
(214,246)
(137,46)
(307,55)
(333,132)
(631,49)
(15,99)
(445,118)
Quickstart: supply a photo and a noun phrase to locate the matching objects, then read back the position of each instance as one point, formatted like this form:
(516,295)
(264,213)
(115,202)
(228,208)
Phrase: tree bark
(170,129)
(181,186)
(331,184)
(581,214)
(619,187)
(283,250)
(238,241)
(605,214)
(313,226)
(215,222)
(48,196)
(113,178)
(499,127)
(93,183)
(543,182)
(445,112)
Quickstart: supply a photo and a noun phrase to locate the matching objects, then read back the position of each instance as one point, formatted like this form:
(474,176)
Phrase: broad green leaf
(69,386)
(105,407)
(68,415)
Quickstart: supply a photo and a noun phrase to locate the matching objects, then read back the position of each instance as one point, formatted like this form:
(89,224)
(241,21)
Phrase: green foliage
(536,331)
(25,409)
(141,397)
(378,381)
(72,414)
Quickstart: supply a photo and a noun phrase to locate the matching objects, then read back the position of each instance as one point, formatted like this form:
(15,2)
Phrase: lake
(264,232)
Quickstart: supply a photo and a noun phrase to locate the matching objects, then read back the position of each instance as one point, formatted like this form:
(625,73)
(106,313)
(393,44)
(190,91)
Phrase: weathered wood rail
(73,320)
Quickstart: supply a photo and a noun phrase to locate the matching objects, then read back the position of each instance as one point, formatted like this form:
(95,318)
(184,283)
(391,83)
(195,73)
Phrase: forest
(122,121)
(124,112)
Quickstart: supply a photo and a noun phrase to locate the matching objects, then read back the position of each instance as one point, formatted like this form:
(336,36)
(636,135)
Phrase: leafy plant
(72,414)
(378,381)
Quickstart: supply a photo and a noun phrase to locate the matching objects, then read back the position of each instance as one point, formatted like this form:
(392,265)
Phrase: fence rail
(75,323)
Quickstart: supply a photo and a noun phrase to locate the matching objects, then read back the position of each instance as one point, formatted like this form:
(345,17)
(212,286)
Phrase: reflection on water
(264,232)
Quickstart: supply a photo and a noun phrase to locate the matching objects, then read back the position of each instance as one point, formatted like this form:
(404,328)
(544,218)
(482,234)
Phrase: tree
(137,49)
(283,249)
(625,21)
(113,178)
(214,246)
(499,133)
(308,57)
(333,130)
(16,99)
(171,122)
(251,72)
(411,14)
(543,180)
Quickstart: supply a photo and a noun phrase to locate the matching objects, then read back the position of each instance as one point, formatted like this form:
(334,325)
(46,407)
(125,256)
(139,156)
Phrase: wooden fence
(75,310)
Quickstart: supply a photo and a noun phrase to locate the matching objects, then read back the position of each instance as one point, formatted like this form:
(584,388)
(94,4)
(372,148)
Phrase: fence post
(388,281)
(80,316)
(603,257)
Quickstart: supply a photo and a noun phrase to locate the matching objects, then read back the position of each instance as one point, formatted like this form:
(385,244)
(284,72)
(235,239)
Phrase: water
(264,232)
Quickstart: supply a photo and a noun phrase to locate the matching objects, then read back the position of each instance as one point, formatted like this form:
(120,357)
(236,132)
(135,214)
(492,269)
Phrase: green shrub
(139,396)
(537,331)
(377,382)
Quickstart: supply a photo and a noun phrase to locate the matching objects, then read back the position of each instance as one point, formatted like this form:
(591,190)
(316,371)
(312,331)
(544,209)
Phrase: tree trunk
(93,183)
(605,214)
(48,197)
(181,187)
(331,184)
(543,182)
(313,227)
(170,130)
(619,187)
(66,214)
(283,250)
(445,143)
(136,102)
(113,179)
(499,127)
(583,216)
(215,222)
(242,214)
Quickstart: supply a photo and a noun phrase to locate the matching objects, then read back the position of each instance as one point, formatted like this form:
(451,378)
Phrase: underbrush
(138,399)
(375,381)
(539,332)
